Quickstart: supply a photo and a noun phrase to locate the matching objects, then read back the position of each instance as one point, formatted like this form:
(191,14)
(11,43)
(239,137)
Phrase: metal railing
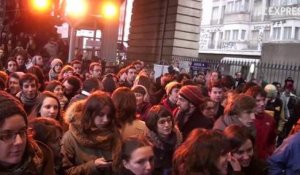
(266,71)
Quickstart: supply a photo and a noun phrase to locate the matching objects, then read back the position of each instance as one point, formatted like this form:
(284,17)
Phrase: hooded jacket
(80,149)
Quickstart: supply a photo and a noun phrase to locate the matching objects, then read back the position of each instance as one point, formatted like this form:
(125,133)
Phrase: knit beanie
(9,106)
(271,91)
(55,61)
(192,93)
(139,89)
(169,87)
(142,90)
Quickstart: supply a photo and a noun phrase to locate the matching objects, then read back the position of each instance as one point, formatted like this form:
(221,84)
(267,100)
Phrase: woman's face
(57,68)
(20,60)
(222,164)
(49,108)
(12,66)
(58,91)
(164,126)
(141,161)
(244,154)
(13,85)
(102,119)
(13,139)
(39,60)
(210,110)
(139,98)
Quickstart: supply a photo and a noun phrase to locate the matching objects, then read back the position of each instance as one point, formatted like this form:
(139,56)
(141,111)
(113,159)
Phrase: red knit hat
(192,93)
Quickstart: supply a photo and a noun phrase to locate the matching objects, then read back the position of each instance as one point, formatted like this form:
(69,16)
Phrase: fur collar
(100,138)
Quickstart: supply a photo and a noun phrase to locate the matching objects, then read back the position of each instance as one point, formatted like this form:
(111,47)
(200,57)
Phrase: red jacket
(265,135)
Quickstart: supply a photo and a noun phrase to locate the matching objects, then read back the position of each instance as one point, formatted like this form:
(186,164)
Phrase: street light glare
(109,10)
(76,8)
(41,5)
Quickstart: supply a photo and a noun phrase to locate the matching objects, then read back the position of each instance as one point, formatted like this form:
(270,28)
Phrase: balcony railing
(214,21)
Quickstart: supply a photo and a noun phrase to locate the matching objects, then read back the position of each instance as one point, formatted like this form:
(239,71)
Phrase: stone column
(162,29)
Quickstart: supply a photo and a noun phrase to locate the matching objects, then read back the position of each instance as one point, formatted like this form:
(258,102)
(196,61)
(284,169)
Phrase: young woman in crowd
(11,66)
(48,131)
(135,157)
(56,66)
(164,136)
(93,138)
(242,155)
(125,103)
(56,87)
(203,153)
(47,105)
(209,108)
(142,101)
(19,153)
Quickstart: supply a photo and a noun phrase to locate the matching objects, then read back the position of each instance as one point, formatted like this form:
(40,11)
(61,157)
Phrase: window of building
(297,33)
(287,33)
(238,5)
(235,35)
(214,15)
(276,33)
(229,7)
(266,35)
(243,34)
(227,35)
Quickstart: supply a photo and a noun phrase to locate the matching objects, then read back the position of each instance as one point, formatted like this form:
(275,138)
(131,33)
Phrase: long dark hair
(125,103)
(37,107)
(92,107)
(200,152)
(129,145)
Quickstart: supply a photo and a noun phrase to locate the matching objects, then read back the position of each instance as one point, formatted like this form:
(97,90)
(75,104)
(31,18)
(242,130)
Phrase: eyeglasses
(164,121)
(10,136)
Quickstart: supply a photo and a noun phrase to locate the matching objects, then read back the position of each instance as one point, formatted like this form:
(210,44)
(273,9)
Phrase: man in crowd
(188,115)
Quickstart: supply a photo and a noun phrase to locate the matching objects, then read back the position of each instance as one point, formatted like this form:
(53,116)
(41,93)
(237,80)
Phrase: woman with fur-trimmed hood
(90,144)
(164,136)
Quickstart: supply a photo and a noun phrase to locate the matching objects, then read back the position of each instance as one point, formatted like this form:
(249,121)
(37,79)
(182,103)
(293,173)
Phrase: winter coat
(38,160)
(124,171)
(285,160)
(195,120)
(80,149)
(166,103)
(163,150)
(228,120)
(266,135)
(135,128)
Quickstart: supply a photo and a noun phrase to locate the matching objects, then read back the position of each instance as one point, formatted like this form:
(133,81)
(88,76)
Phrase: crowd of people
(67,119)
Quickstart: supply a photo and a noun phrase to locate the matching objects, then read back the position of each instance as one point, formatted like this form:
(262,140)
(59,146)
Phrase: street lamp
(109,10)
(41,5)
(76,8)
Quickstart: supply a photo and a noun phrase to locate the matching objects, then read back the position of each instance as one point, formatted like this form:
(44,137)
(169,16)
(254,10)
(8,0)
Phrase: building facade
(240,27)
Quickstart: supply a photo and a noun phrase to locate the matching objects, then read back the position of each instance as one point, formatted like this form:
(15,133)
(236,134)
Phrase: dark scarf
(170,143)
(27,101)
